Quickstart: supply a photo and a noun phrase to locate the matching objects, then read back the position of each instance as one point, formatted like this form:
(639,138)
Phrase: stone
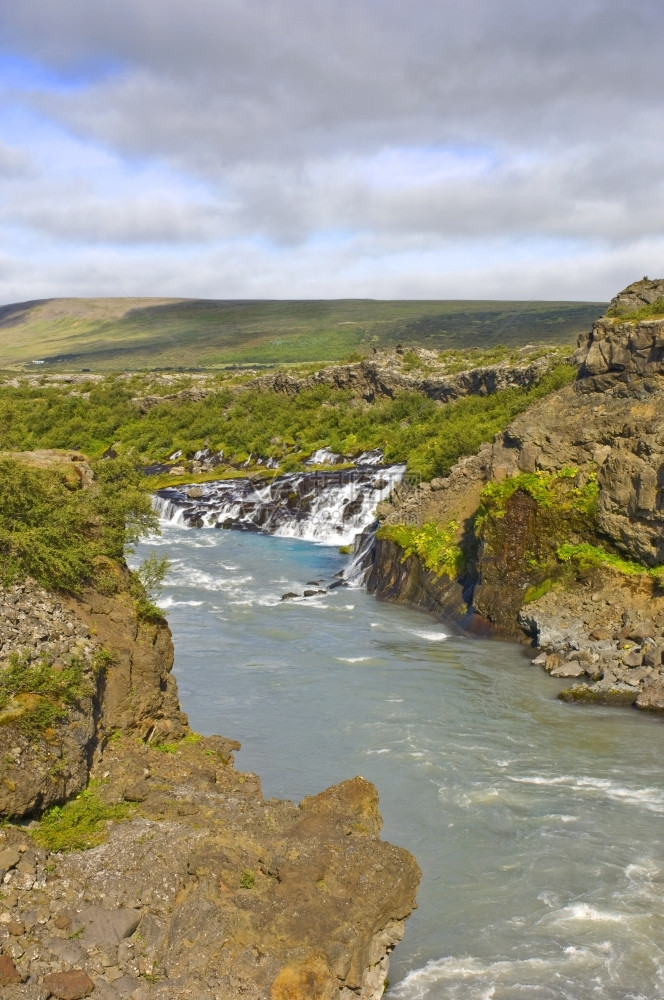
(107,927)
(633,658)
(137,792)
(571,668)
(653,656)
(72,985)
(552,662)
(8,971)
(600,634)
(9,858)
(640,631)
(651,697)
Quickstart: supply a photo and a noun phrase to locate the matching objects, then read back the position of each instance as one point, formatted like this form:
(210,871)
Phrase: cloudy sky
(330,148)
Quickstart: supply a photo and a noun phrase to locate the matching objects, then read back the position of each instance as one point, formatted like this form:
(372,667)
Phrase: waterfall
(331,508)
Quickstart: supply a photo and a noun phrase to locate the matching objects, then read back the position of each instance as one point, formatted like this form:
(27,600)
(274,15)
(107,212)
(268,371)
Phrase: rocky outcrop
(407,581)
(125,684)
(384,375)
(641,293)
(625,348)
(209,892)
(606,427)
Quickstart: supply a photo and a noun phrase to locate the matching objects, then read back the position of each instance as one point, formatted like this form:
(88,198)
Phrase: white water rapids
(538,825)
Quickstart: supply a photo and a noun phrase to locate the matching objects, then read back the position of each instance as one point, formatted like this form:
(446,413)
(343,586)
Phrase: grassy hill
(105,334)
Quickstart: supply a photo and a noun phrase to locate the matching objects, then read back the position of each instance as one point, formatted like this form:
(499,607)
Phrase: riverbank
(557,524)
(167,874)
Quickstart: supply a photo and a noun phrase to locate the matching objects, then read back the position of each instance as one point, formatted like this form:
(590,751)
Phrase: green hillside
(107,334)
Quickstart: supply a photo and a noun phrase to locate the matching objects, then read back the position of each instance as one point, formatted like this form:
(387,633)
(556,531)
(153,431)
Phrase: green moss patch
(435,544)
(586,556)
(35,697)
(79,824)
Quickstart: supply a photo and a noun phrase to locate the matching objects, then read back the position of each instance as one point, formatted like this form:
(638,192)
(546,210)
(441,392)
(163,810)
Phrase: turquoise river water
(537,825)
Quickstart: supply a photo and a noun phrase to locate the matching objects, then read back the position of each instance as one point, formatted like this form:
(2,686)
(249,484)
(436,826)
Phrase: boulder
(8,971)
(72,985)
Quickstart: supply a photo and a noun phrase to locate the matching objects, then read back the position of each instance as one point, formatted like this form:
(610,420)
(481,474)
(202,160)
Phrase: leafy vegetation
(548,489)
(55,530)
(654,310)
(435,544)
(49,692)
(146,583)
(79,824)
(247,879)
(585,556)
(409,428)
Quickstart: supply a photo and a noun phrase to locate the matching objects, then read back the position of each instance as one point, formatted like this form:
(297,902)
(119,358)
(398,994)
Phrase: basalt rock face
(407,581)
(125,685)
(607,425)
(383,376)
(629,349)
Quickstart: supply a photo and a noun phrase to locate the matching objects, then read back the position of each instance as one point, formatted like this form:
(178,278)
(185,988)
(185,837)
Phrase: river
(537,825)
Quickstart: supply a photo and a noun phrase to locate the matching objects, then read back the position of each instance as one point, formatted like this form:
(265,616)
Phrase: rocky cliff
(386,373)
(562,517)
(161,872)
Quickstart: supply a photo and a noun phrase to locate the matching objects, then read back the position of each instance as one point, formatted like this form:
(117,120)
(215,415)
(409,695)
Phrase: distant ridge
(139,333)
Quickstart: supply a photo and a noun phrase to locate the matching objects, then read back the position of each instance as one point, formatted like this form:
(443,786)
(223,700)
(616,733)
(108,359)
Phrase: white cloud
(307,133)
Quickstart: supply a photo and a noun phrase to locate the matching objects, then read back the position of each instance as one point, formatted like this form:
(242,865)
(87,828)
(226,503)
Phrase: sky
(508,149)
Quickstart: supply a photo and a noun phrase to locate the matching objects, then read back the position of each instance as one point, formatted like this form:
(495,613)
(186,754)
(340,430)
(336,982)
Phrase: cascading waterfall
(330,508)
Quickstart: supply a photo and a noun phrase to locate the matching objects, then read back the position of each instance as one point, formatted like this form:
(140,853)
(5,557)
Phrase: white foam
(353,659)
(480,976)
(585,913)
(169,602)
(429,636)
(651,799)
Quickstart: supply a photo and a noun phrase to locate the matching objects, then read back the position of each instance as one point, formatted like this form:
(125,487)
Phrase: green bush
(79,824)
(655,310)
(585,556)
(54,530)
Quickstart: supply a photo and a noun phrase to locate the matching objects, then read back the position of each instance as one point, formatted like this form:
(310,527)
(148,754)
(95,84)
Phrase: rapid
(537,825)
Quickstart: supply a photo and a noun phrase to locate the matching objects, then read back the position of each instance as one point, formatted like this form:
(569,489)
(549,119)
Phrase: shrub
(54,530)
(79,824)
